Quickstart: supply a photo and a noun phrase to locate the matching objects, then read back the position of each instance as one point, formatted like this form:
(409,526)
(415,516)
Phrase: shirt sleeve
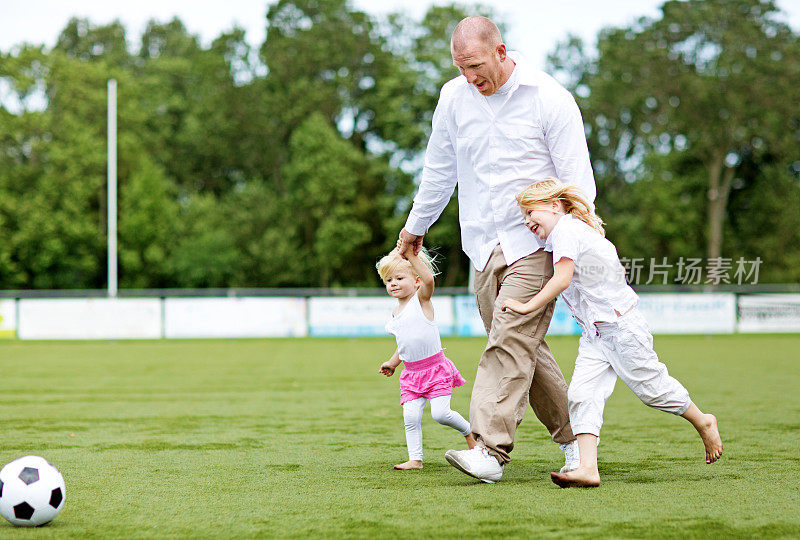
(565,243)
(439,175)
(566,141)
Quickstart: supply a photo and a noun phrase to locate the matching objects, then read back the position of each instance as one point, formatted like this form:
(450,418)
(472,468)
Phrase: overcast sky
(536,25)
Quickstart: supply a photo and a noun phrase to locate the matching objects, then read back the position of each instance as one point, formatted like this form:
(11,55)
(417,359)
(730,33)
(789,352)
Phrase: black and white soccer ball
(31,491)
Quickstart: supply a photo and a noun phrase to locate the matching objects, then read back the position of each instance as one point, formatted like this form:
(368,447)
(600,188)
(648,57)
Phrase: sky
(535,25)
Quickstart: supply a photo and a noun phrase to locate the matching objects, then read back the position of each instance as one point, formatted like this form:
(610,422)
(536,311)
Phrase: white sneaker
(477,462)
(572,456)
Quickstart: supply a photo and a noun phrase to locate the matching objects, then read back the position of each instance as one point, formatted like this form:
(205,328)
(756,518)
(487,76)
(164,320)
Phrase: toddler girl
(616,341)
(428,374)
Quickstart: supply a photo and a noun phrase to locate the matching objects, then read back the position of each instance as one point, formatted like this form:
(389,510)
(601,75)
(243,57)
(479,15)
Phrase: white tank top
(417,337)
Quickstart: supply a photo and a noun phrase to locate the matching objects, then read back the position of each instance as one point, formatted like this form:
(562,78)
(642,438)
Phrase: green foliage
(148,218)
(765,222)
(52,174)
(204,254)
(217,156)
(83,41)
(292,164)
(675,186)
(709,88)
(332,192)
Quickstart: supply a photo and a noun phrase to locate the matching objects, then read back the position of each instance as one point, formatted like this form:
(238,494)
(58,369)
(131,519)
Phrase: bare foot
(709,432)
(409,465)
(576,478)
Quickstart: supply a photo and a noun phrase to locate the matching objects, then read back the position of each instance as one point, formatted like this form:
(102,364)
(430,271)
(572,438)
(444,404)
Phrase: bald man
(498,127)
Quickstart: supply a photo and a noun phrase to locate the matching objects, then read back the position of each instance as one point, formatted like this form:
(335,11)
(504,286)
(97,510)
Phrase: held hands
(407,240)
(387,369)
(405,250)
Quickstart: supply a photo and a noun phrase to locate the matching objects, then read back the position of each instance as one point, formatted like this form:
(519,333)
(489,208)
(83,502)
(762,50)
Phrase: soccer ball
(31,491)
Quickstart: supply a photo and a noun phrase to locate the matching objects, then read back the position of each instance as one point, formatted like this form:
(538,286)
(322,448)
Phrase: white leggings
(440,411)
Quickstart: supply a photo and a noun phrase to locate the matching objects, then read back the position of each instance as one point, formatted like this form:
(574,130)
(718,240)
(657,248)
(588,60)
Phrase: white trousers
(440,411)
(621,349)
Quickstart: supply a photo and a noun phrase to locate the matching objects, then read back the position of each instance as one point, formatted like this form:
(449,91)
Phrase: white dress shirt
(493,153)
(598,291)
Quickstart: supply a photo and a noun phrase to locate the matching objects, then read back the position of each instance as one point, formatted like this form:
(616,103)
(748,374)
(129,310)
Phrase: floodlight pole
(112,188)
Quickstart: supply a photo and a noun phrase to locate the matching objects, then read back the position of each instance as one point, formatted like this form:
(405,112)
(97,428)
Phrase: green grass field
(296,437)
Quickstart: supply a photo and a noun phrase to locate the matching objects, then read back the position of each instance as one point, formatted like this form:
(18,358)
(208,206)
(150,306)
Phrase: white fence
(288,316)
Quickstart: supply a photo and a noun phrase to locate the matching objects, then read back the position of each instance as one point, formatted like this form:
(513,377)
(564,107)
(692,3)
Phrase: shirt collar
(527,74)
(510,84)
(549,242)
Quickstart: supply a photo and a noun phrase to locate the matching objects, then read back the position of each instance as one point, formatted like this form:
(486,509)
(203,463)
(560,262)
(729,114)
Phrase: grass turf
(296,437)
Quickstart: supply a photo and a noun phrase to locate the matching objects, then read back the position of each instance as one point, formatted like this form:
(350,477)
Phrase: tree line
(293,164)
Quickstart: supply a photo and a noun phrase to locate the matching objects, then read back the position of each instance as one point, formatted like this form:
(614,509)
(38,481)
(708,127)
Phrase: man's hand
(408,239)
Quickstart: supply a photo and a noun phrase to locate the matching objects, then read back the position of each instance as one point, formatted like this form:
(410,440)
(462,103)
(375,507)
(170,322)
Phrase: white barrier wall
(255,317)
(469,323)
(89,318)
(234,317)
(366,315)
(468,318)
(8,318)
(688,313)
(769,313)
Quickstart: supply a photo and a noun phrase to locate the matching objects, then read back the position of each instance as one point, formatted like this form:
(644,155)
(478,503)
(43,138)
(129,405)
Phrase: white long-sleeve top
(493,153)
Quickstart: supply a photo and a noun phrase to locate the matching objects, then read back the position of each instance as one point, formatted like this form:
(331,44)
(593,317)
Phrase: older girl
(616,341)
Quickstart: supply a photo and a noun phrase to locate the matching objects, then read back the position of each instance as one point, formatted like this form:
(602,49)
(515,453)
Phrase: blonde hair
(394,261)
(552,189)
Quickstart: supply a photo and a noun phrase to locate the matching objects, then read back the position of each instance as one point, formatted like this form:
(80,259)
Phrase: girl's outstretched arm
(562,276)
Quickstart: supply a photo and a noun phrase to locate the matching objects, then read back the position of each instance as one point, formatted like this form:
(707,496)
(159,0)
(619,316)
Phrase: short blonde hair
(393,261)
(550,189)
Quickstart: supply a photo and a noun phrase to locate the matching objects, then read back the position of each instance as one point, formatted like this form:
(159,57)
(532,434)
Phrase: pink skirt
(429,378)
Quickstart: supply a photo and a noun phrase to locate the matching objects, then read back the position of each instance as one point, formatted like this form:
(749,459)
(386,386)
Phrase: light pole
(112,188)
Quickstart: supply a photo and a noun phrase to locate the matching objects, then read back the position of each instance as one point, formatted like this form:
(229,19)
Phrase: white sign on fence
(769,313)
(8,318)
(468,318)
(234,317)
(688,313)
(469,323)
(366,315)
(89,318)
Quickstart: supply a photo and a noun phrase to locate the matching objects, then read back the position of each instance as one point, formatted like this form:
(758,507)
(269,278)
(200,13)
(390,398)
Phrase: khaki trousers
(517,366)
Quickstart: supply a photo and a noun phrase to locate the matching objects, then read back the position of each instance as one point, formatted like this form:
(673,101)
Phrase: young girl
(428,374)
(616,341)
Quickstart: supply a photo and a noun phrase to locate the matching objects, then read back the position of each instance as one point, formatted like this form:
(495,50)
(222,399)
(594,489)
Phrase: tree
(404,100)
(148,215)
(52,171)
(336,200)
(83,41)
(204,252)
(325,52)
(718,79)
(220,154)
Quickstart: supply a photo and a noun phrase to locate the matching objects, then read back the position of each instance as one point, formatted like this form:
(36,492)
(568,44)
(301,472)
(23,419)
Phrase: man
(497,128)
